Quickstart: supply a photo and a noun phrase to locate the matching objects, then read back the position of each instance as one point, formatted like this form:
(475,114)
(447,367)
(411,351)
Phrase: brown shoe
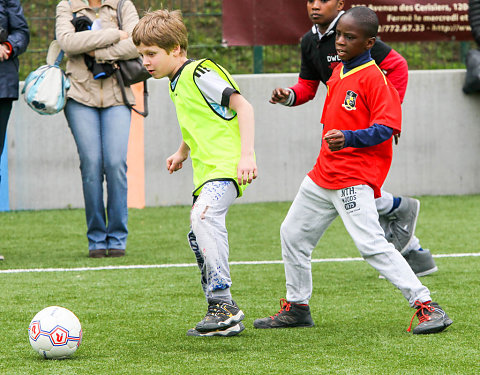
(115,253)
(97,253)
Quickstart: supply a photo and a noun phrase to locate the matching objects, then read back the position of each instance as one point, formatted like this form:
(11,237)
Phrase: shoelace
(214,310)
(284,306)
(218,308)
(421,312)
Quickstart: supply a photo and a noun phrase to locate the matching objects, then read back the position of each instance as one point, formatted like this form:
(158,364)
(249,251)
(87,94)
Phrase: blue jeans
(101,135)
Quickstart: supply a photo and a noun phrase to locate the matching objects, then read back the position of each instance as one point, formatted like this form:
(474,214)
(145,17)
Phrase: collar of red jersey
(354,70)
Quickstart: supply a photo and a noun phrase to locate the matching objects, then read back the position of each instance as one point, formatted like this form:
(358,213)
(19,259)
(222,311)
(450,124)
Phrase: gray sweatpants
(208,237)
(312,211)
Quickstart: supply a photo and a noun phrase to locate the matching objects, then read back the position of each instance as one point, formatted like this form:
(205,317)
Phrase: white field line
(183,265)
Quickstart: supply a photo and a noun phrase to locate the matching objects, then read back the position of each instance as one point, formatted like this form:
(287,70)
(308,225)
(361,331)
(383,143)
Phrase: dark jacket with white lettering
(16,36)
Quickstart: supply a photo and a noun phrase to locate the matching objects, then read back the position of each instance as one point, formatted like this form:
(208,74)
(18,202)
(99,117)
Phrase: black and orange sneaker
(432,318)
(220,315)
(290,315)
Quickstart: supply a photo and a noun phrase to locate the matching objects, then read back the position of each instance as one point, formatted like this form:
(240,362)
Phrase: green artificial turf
(134,320)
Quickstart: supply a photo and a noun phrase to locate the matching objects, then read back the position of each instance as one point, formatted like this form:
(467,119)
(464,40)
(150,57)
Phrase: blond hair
(162,28)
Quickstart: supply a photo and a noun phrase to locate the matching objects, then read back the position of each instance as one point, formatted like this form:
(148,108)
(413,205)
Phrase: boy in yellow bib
(217,125)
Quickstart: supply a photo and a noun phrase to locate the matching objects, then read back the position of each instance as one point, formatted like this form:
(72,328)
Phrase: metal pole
(257,59)
(464,47)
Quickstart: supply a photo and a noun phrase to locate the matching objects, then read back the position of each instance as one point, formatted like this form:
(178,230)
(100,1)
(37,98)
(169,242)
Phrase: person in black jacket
(398,215)
(472,61)
(474,18)
(14,38)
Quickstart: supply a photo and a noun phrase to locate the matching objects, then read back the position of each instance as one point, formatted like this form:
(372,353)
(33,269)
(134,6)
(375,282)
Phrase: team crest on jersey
(350,101)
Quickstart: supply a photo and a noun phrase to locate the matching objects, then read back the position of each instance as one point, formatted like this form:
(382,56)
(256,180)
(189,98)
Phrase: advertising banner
(274,22)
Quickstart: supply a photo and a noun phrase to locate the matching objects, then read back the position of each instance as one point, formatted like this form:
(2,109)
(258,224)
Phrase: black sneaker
(220,315)
(229,331)
(432,318)
(290,315)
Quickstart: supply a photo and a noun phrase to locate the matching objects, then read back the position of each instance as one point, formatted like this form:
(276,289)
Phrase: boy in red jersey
(398,214)
(346,179)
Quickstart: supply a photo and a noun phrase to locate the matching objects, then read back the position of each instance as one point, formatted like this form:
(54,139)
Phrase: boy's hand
(335,139)
(175,162)
(279,95)
(246,170)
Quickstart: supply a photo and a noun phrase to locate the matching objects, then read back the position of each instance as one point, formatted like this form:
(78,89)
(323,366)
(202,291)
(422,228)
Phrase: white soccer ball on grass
(55,332)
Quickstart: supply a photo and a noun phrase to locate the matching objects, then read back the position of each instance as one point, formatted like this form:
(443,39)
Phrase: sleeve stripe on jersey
(383,74)
(226,96)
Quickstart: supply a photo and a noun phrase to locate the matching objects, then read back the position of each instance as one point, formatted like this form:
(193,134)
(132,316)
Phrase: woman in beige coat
(97,116)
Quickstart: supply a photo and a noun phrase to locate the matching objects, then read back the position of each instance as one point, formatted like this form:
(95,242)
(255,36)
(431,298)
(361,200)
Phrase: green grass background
(134,321)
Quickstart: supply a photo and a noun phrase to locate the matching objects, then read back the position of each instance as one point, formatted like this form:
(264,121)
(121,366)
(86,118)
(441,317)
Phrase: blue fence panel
(4,200)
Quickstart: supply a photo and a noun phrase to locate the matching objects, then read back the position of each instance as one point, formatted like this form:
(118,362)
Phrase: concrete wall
(437,154)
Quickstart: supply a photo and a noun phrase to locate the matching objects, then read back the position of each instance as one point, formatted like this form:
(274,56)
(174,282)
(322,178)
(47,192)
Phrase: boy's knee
(285,231)
(372,248)
(198,216)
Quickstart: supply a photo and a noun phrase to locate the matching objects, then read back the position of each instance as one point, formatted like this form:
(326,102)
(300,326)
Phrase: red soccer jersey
(357,100)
